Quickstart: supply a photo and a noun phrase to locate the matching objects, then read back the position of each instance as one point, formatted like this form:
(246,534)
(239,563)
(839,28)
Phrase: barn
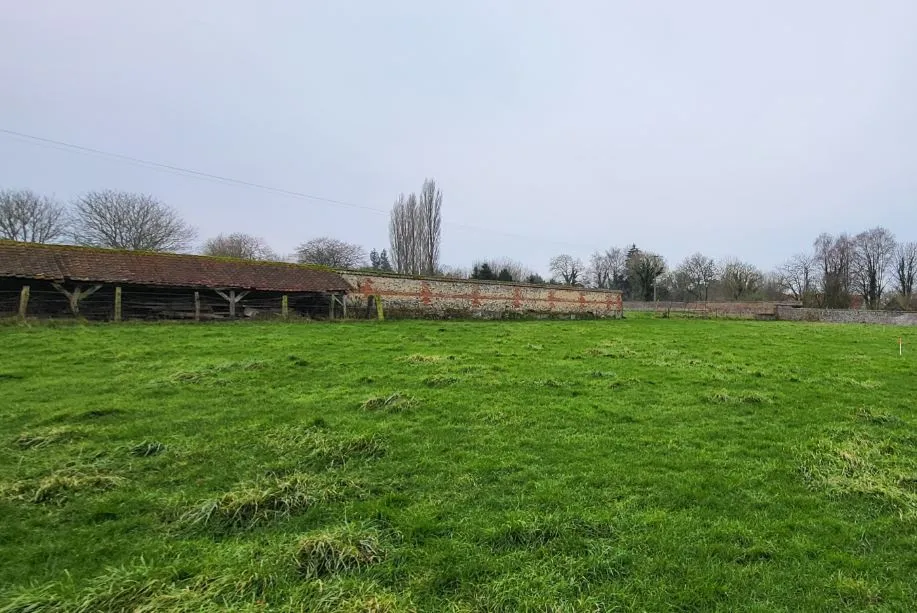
(38,280)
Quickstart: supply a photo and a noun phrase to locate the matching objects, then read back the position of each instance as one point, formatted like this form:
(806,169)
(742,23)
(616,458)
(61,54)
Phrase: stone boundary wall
(846,316)
(433,298)
(708,309)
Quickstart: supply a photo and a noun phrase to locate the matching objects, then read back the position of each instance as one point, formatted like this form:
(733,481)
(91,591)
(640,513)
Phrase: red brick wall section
(427,297)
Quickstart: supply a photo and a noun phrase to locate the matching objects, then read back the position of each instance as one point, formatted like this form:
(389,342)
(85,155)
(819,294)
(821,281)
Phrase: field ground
(645,464)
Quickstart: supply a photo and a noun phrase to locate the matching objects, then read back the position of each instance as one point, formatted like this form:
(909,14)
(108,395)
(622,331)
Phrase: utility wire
(197,174)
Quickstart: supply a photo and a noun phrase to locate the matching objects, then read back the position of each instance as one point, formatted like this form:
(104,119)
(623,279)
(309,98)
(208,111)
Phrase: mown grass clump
(338,550)
(877,417)
(440,380)
(391,403)
(147,449)
(212,372)
(857,463)
(420,358)
(268,500)
(58,486)
(524,533)
(322,449)
(43,438)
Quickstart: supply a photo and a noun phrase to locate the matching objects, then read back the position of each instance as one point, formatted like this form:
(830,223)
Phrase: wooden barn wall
(149,302)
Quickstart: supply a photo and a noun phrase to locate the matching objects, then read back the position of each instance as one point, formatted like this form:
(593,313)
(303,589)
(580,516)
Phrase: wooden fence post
(285,306)
(379,314)
(197,306)
(23,301)
(232,304)
(117,303)
(331,307)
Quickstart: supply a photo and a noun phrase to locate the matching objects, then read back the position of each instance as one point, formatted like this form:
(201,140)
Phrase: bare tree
(429,208)
(873,253)
(906,269)
(415,230)
(453,272)
(696,273)
(740,279)
(239,245)
(26,216)
(124,220)
(598,273)
(835,258)
(644,269)
(567,268)
(331,252)
(608,269)
(797,275)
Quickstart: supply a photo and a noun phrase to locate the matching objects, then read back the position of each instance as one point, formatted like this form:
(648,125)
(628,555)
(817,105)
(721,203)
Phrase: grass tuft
(206,373)
(419,358)
(52,436)
(59,486)
(147,449)
(523,533)
(392,403)
(342,549)
(440,380)
(857,464)
(868,415)
(266,501)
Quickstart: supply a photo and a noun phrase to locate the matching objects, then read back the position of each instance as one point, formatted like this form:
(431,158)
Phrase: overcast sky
(733,128)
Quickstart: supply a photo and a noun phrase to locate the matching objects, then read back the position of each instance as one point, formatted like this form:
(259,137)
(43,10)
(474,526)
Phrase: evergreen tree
(505,275)
(384,264)
(483,272)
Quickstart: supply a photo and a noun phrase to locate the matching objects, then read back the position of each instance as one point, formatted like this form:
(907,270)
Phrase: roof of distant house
(90,264)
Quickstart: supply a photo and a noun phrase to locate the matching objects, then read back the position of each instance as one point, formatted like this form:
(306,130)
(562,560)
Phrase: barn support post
(331,307)
(233,298)
(197,306)
(76,296)
(344,305)
(24,301)
(117,303)
(285,306)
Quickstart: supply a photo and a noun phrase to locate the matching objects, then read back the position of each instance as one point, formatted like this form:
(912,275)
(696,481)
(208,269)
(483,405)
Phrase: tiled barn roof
(89,264)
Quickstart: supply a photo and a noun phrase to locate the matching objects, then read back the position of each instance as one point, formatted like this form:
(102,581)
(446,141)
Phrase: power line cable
(198,174)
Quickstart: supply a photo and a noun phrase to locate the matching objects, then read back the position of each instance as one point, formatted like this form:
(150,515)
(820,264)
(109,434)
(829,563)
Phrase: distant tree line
(870,269)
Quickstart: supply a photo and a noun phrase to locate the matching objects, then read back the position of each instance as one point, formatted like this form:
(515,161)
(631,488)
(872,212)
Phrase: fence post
(23,301)
(285,306)
(197,306)
(117,303)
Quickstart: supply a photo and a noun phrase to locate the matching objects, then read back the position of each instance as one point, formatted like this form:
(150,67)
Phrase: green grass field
(645,464)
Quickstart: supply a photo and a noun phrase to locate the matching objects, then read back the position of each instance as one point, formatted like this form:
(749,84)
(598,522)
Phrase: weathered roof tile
(68,263)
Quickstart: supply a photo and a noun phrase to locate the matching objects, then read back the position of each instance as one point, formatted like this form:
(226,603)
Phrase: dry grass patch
(419,358)
(261,502)
(324,450)
(43,438)
(391,403)
(206,373)
(58,486)
(858,464)
(146,449)
(338,550)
